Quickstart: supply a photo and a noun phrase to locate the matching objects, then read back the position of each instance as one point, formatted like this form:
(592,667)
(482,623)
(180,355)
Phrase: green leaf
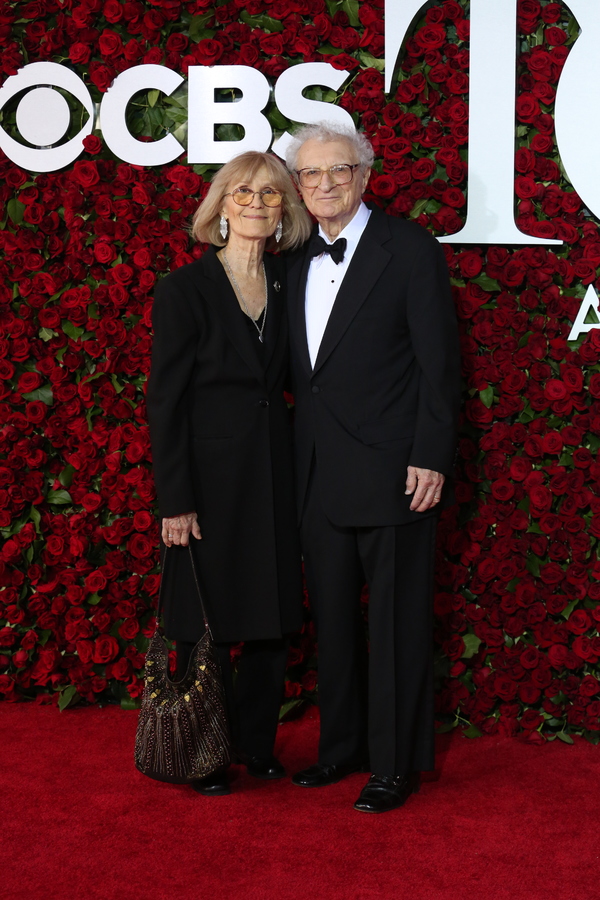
(472,644)
(487,396)
(46,334)
(472,732)
(264,22)
(350,7)
(15,210)
(533,565)
(116,383)
(566,738)
(72,331)
(534,528)
(566,460)
(153,97)
(328,49)
(419,207)
(59,498)
(66,476)
(445,727)
(289,706)
(229,132)
(130,703)
(487,283)
(93,599)
(42,393)
(68,697)
(371,62)
(43,637)
(277,119)
(569,609)
(524,340)
(35,517)
(198,26)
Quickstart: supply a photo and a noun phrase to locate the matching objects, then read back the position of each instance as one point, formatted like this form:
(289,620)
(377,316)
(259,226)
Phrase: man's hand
(428,486)
(177,530)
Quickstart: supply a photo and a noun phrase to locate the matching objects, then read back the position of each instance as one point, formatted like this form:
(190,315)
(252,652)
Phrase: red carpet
(504,820)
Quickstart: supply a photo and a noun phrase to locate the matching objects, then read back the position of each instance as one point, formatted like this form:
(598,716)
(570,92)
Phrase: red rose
(383,186)
(85,173)
(95,581)
(106,647)
(208,52)
(36,411)
(531,719)
(140,546)
(92,144)
(110,44)
(584,649)
(80,53)
(129,629)
(431,36)
(557,654)
(101,76)
(579,621)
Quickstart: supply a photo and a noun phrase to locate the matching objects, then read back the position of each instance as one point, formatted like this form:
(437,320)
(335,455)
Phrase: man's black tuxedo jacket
(384,391)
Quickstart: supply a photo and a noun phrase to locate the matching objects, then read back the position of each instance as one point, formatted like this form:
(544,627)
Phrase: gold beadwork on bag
(175,741)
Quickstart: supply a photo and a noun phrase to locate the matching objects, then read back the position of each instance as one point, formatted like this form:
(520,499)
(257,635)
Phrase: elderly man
(375,366)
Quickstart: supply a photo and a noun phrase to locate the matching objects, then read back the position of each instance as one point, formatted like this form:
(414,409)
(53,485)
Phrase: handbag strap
(162,581)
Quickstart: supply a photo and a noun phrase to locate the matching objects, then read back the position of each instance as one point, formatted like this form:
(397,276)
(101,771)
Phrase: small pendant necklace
(259,328)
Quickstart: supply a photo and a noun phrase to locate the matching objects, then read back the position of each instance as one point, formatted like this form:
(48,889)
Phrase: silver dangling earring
(279,231)
(223,226)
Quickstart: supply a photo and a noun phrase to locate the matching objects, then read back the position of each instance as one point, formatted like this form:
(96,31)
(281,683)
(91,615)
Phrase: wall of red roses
(517,593)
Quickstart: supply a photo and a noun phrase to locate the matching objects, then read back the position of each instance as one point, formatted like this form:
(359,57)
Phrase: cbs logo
(43,116)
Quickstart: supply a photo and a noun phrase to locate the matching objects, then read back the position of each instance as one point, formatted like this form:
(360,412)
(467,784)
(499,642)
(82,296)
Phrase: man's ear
(366,176)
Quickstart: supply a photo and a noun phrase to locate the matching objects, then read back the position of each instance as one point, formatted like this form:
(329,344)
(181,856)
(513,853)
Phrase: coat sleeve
(434,335)
(175,341)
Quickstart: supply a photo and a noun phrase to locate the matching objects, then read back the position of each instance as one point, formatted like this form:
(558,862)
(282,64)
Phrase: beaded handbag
(182,731)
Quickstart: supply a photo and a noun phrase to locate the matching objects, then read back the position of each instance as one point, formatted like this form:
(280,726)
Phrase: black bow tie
(336,250)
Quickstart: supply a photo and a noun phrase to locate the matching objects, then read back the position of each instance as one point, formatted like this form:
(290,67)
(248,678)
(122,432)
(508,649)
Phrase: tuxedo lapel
(369,260)
(227,308)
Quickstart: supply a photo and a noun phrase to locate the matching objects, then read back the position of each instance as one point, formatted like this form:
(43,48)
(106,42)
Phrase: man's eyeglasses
(244,196)
(311,178)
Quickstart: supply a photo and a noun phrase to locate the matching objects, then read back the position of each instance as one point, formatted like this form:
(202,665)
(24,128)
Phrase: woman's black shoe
(214,785)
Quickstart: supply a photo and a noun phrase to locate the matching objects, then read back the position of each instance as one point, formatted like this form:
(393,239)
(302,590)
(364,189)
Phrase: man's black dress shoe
(320,776)
(263,768)
(214,785)
(384,792)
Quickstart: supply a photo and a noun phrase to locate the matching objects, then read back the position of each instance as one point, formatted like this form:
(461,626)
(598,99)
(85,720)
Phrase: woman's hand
(426,485)
(177,530)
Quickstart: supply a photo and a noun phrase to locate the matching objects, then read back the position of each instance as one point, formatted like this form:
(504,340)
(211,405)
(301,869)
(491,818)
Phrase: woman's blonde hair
(295,220)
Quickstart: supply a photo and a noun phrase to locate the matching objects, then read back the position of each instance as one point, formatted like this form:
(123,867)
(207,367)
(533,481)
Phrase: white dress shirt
(324,279)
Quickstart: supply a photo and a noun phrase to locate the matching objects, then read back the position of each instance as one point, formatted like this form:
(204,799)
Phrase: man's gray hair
(324,132)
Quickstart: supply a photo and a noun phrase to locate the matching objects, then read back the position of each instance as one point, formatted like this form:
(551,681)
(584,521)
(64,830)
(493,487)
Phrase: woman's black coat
(221,446)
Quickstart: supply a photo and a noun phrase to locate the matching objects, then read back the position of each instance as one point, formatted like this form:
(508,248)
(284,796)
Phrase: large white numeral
(576,111)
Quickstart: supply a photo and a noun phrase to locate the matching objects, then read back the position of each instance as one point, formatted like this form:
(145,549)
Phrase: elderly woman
(221,447)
